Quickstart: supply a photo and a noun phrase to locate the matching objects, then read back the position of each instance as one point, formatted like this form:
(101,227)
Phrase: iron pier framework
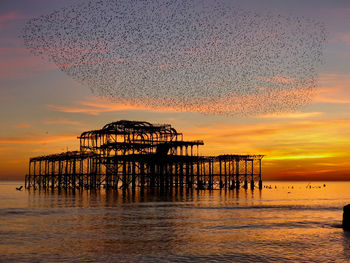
(134,154)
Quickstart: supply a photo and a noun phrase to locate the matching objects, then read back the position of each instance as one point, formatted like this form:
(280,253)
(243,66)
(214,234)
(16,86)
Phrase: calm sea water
(286,224)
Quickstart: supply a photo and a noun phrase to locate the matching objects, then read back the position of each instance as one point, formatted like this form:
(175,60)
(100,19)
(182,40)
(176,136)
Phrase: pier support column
(237,175)
(260,181)
(210,186)
(152,174)
(176,175)
(220,173)
(28,181)
(142,172)
(34,175)
(74,173)
(252,177)
(245,174)
(133,178)
(225,170)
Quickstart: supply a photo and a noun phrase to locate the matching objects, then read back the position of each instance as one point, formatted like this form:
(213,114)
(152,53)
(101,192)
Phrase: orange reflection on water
(289,222)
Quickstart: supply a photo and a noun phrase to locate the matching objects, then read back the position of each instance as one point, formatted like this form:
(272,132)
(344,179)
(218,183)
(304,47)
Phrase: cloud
(237,103)
(323,99)
(276,139)
(62,122)
(5,18)
(38,139)
(23,125)
(13,51)
(96,106)
(297,115)
(334,89)
(24,66)
(298,157)
(224,130)
(344,37)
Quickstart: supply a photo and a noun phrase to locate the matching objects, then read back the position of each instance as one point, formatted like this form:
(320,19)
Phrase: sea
(283,222)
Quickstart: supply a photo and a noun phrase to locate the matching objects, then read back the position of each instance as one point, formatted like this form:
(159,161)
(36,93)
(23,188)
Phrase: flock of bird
(203,56)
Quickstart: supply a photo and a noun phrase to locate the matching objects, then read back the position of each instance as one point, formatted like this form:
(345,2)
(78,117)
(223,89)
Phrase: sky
(43,111)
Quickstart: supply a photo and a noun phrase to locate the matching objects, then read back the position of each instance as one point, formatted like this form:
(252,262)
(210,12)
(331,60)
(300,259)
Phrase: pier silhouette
(126,154)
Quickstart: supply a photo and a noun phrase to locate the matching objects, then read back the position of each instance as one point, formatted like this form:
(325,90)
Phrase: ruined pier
(126,154)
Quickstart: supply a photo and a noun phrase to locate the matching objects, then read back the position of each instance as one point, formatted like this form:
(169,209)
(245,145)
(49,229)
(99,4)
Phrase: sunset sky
(42,110)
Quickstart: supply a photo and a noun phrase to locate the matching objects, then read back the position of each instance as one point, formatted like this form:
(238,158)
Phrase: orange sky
(43,110)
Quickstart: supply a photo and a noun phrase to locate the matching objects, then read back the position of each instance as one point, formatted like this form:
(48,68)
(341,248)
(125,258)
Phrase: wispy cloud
(38,139)
(23,125)
(298,157)
(334,89)
(231,104)
(296,115)
(324,99)
(343,37)
(62,122)
(97,106)
(5,18)
(13,51)
(17,67)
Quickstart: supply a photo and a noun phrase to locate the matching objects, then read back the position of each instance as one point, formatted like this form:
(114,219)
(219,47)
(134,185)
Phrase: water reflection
(84,198)
(150,225)
(346,243)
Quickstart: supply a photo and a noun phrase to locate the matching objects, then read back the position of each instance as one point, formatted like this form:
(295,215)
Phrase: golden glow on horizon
(299,157)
